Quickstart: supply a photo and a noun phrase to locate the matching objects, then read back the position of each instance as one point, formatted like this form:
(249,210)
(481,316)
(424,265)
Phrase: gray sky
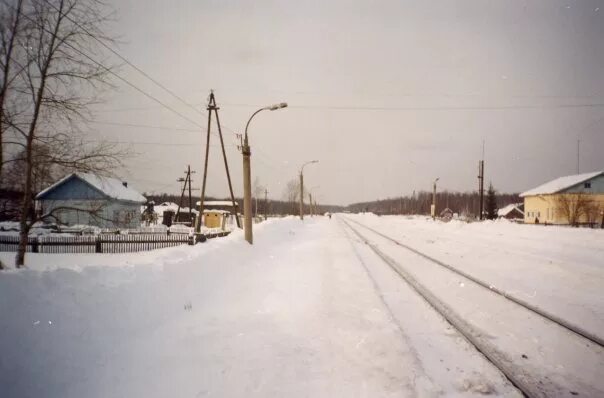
(387,95)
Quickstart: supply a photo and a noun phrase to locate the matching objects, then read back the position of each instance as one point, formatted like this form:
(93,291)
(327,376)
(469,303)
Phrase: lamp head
(274,107)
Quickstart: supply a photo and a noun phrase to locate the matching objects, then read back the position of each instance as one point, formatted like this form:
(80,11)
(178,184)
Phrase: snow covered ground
(307,311)
(557,268)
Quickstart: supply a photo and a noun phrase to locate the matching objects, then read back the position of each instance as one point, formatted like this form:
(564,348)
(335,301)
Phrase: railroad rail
(517,375)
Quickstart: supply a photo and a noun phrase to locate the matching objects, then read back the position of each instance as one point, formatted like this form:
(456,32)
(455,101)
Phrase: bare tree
(56,83)
(291,193)
(257,188)
(11,28)
(574,206)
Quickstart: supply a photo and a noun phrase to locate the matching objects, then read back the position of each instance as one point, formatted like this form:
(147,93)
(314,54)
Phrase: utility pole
(247,191)
(187,181)
(310,204)
(301,196)
(212,107)
(480,188)
(433,207)
(182,194)
(302,187)
(189,172)
(578,153)
(265,203)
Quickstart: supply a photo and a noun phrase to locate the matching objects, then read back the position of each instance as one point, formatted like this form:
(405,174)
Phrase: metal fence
(103,243)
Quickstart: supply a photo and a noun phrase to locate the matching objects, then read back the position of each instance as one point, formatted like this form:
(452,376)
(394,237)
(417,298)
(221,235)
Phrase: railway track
(528,377)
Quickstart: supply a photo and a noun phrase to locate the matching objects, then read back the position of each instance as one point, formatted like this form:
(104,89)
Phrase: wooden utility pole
(578,154)
(212,107)
(187,181)
(182,194)
(247,191)
(265,203)
(433,207)
(301,196)
(480,188)
(189,172)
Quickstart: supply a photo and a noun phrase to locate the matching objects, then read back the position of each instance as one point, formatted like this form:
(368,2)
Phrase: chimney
(124,183)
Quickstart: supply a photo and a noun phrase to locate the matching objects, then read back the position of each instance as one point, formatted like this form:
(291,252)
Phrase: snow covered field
(306,311)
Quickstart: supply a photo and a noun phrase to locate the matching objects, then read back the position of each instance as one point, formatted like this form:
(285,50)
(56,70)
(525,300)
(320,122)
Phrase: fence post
(97,244)
(34,244)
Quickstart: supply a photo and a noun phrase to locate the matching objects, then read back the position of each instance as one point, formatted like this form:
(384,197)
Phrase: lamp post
(302,187)
(247,175)
(433,207)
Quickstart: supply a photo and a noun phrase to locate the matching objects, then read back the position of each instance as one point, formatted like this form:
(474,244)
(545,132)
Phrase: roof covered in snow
(560,184)
(111,187)
(504,211)
(216,203)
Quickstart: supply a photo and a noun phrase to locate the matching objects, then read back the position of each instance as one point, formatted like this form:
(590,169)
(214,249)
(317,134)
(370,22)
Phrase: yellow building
(215,218)
(575,199)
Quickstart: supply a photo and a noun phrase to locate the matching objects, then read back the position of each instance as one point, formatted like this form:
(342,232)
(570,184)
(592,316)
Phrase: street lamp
(247,177)
(433,207)
(302,187)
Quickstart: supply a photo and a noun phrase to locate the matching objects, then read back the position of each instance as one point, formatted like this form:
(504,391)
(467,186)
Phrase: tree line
(465,204)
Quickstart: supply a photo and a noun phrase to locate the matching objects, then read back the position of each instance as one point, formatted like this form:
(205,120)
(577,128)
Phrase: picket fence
(103,243)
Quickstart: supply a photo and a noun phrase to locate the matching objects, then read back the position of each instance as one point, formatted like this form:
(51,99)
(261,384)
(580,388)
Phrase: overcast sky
(387,95)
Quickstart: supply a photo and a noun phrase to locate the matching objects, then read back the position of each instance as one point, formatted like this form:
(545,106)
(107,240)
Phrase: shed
(513,211)
(89,199)
(215,218)
(218,205)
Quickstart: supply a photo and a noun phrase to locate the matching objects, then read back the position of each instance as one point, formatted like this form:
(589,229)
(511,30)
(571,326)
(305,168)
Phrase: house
(575,199)
(513,211)
(88,199)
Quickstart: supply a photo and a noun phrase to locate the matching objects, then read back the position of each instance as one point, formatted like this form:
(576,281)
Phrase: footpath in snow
(307,311)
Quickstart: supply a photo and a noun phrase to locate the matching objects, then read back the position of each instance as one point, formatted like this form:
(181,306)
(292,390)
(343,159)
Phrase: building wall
(546,209)
(596,186)
(108,213)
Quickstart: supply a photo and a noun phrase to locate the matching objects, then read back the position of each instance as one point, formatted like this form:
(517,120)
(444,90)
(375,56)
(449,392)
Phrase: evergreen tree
(491,203)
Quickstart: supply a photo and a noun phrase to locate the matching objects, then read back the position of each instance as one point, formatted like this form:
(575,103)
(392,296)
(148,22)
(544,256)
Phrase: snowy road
(307,311)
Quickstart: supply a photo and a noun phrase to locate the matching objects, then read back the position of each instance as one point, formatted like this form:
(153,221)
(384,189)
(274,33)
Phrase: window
(587,185)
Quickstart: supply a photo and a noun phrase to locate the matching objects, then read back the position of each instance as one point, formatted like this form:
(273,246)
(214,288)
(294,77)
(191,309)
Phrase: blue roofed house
(89,199)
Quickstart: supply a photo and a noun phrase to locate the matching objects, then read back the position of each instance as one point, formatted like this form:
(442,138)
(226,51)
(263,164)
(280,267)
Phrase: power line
(143,126)
(117,54)
(105,67)
(130,142)
(435,108)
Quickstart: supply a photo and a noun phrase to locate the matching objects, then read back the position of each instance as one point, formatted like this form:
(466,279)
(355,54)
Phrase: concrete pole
(301,196)
(247,192)
(265,203)
(434,201)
